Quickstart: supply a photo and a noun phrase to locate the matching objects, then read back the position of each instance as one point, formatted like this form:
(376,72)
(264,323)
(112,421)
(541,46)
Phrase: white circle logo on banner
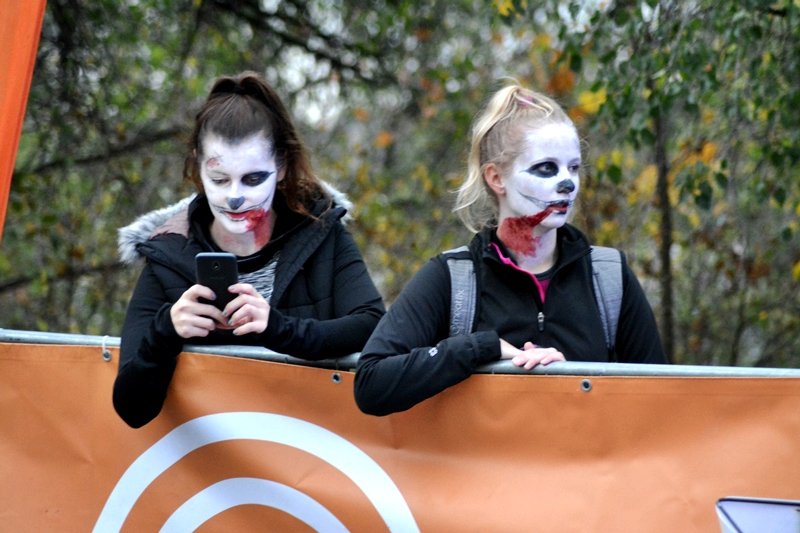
(343,455)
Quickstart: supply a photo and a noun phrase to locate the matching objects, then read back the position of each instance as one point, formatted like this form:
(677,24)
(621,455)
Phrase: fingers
(199,329)
(189,324)
(244,288)
(533,355)
(248,312)
(195,293)
(554,356)
(193,318)
(249,318)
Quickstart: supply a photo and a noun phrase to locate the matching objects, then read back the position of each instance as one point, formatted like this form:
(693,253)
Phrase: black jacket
(324,303)
(409,356)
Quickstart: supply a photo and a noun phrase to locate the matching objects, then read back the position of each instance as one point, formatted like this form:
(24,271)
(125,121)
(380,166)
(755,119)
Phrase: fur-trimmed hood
(174,219)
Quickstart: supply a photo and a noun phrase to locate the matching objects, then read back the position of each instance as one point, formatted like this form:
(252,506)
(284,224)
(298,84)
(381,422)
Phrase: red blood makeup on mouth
(517,232)
(259,222)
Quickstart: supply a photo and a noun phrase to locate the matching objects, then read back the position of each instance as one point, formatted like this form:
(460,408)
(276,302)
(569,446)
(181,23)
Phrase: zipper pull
(540,318)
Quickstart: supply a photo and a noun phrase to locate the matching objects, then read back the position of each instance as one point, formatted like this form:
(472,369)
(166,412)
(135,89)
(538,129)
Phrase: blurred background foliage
(690,113)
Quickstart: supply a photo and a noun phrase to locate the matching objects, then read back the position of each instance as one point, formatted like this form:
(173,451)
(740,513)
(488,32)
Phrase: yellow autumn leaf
(694,219)
(362,175)
(590,101)
(601,163)
(503,7)
(426,181)
(609,229)
(542,40)
(646,180)
(644,185)
(796,271)
(652,228)
(383,139)
(707,152)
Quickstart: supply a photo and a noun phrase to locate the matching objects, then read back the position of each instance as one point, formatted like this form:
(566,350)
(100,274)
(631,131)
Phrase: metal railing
(566,368)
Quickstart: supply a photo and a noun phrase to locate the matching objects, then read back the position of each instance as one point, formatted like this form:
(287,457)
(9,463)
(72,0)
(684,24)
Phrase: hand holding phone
(217,271)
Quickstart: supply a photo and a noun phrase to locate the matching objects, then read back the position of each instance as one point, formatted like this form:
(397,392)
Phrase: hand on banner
(530,355)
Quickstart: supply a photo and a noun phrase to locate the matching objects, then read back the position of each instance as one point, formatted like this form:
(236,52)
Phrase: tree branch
(71,274)
(260,20)
(113,151)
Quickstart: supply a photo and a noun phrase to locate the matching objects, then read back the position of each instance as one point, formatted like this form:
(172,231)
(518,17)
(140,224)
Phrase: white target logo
(305,436)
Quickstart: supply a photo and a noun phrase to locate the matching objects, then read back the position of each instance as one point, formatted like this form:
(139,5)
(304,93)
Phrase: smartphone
(217,271)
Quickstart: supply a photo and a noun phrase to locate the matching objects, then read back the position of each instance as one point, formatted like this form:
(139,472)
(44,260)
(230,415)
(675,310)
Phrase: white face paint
(543,181)
(239,180)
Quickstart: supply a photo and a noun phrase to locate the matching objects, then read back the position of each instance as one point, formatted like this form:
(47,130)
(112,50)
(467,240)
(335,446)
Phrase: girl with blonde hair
(533,279)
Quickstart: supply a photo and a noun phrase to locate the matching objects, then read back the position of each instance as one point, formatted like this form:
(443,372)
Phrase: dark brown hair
(243,105)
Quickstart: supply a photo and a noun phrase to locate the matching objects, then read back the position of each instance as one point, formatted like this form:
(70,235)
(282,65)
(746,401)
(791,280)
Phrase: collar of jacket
(176,218)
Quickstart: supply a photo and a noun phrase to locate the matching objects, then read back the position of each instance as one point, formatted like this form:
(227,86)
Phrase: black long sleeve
(409,357)
(637,340)
(357,308)
(148,352)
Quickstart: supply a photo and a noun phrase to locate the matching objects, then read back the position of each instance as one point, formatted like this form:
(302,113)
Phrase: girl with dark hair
(303,288)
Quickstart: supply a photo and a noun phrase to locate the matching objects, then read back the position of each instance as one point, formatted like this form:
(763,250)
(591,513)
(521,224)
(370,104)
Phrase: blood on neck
(259,221)
(517,232)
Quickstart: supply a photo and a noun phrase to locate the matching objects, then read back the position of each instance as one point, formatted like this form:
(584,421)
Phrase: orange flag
(20,25)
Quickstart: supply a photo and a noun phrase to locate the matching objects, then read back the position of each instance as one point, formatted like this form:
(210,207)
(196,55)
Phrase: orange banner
(20,25)
(245,445)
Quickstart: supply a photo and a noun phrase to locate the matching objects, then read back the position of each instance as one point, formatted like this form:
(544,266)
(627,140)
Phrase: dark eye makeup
(545,169)
(256,178)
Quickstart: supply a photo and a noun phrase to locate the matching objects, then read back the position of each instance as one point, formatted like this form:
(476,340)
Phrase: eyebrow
(553,160)
(258,173)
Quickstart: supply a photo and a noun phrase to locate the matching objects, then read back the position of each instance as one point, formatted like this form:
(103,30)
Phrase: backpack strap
(606,276)
(463,290)
(607,281)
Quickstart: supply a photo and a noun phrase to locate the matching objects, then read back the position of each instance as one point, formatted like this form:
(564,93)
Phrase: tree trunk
(662,192)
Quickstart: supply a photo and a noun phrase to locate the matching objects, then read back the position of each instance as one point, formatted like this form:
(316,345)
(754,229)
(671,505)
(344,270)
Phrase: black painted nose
(565,186)
(235,203)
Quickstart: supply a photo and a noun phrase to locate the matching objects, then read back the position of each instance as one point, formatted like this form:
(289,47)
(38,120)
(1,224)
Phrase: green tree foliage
(690,112)
(704,95)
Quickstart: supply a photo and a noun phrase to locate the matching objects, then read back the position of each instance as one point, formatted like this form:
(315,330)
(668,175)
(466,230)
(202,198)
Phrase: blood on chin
(517,232)
(257,221)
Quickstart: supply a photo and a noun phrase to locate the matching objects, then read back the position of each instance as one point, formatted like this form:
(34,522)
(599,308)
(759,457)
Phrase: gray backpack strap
(607,277)
(463,290)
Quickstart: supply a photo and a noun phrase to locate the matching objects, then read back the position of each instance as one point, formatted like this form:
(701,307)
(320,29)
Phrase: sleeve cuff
(487,344)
